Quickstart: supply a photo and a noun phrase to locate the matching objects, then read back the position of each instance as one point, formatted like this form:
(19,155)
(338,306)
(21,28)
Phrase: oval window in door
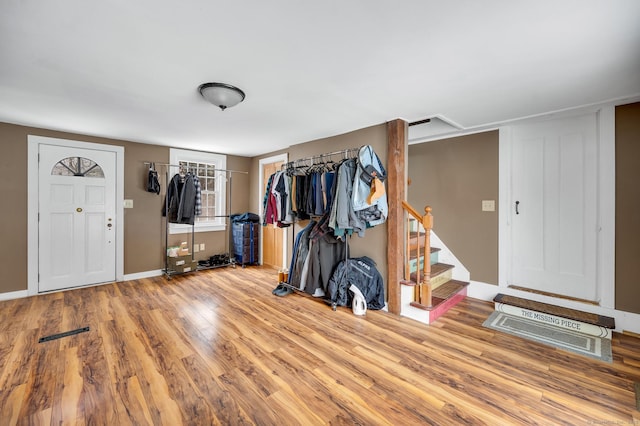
(77,166)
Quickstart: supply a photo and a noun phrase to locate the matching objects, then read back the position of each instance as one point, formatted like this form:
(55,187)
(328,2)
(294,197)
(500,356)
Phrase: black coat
(180,205)
(361,272)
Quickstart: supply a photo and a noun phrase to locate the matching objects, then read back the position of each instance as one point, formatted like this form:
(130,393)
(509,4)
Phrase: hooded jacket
(376,212)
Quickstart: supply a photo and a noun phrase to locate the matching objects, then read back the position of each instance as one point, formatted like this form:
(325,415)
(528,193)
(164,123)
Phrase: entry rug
(583,344)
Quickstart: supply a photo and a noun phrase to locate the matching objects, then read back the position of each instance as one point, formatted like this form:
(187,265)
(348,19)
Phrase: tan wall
(627,207)
(13,226)
(374,244)
(453,176)
(143,225)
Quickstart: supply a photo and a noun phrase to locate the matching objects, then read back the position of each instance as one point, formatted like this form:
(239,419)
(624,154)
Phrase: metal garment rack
(229,178)
(301,163)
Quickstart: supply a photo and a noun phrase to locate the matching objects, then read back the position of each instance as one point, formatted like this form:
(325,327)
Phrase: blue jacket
(377,212)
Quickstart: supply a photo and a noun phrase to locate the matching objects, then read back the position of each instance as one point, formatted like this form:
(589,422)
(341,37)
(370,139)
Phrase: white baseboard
(14,295)
(482,291)
(145,274)
(625,321)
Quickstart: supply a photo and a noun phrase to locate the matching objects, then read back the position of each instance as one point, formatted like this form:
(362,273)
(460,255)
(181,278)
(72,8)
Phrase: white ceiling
(130,69)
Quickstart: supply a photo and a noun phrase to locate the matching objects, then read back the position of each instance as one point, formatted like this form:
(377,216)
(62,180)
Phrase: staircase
(429,289)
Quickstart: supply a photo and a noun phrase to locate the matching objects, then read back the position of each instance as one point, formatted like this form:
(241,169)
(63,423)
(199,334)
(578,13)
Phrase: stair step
(445,292)
(546,308)
(416,239)
(413,261)
(440,274)
(433,250)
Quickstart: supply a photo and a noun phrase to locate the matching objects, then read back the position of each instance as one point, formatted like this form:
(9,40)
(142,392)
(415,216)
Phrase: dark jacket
(361,272)
(180,206)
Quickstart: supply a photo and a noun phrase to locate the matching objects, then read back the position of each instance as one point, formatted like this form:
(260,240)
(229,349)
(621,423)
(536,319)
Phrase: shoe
(284,292)
(278,288)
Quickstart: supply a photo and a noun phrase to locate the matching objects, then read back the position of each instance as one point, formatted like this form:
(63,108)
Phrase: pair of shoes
(279,288)
(283,291)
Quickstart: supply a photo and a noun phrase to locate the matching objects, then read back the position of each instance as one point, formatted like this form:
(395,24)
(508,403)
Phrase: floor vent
(65,334)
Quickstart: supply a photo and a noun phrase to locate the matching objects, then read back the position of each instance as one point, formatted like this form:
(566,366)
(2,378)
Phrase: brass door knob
(79,209)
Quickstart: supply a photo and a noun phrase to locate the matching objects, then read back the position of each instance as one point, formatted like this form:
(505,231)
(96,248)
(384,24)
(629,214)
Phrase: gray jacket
(343,217)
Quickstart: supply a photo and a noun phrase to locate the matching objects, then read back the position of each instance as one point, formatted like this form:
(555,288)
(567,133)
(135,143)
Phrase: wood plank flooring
(217,348)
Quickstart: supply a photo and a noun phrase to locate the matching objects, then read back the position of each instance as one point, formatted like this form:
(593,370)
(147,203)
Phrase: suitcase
(246,237)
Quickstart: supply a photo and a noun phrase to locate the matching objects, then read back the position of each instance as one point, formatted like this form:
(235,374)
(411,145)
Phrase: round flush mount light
(221,95)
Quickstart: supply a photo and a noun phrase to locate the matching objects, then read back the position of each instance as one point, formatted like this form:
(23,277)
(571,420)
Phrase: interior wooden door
(271,235)
(553,216)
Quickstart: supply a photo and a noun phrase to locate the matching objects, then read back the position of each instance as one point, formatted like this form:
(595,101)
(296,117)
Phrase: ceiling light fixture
(221,95)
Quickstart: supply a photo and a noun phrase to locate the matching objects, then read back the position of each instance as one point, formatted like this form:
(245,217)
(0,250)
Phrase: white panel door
(553,211)
(77,206)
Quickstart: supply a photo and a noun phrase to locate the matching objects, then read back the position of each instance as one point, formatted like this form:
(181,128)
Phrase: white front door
(553,209)
(77,217)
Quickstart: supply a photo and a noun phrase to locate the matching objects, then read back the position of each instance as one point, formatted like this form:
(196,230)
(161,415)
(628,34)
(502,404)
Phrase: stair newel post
(427,224)
(407,256)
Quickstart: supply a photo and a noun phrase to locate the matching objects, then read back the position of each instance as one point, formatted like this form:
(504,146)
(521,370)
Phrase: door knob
(109,225)
(79,209)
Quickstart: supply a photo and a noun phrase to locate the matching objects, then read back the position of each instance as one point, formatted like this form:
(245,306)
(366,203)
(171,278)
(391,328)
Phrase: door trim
(274,159)
(33,143)
(605,261)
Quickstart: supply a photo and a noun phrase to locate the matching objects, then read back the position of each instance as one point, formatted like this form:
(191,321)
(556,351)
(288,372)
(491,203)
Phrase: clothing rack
(229,177)
(148,163)
(301,162)
(315,160)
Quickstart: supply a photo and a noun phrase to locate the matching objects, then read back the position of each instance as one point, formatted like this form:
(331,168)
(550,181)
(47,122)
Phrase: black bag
(369,172)
(153,184)
(245,217)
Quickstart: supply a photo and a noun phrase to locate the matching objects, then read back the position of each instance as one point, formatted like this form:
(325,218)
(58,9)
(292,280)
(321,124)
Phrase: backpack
(153,184)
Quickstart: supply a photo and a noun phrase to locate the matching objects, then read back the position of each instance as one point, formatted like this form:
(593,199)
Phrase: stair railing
(423,294)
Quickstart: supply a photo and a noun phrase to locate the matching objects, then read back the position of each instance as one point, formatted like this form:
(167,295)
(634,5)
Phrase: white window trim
(177,155)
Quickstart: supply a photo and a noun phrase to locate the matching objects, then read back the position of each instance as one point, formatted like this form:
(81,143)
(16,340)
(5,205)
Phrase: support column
(397,192)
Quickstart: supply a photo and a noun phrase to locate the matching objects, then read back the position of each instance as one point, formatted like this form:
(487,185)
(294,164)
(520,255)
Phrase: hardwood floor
(216,347)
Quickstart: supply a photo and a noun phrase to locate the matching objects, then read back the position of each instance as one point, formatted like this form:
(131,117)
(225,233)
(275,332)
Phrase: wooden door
(272,236)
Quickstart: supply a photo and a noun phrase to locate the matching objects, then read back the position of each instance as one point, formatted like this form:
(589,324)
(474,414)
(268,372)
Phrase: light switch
(488,205)
(128,204)
(201,246)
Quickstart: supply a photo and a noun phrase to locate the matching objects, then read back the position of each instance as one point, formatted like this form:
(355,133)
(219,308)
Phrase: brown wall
(143,225)
(374,244)
(453,176)
(627,207)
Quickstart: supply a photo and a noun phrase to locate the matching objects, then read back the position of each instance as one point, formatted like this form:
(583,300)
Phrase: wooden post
(396,189)
(427,223)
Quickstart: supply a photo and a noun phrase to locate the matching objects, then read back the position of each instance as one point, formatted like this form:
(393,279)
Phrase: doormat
(65,334)
(583,344)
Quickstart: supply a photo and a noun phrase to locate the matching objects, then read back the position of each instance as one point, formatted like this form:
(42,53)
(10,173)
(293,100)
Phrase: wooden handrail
(423,294)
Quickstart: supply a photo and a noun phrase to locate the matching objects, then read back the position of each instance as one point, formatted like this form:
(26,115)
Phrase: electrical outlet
(128,204)
(201,246)
(488,205)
